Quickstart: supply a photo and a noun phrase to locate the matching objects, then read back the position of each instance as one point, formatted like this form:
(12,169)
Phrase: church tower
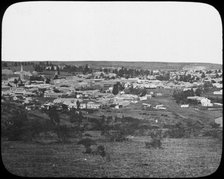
(21,73)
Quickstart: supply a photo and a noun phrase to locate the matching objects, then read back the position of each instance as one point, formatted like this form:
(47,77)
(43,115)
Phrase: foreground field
(178,158)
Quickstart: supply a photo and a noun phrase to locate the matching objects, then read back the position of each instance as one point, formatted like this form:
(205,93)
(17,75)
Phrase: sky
(112,31)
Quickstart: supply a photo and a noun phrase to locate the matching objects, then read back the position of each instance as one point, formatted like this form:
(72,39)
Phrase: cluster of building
(93,91)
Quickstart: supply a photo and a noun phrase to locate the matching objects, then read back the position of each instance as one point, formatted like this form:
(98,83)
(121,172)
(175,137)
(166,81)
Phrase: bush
(15,128)
(179,130)
(214,133)
(62,133)
(212,130)
(18,124)
(155,143)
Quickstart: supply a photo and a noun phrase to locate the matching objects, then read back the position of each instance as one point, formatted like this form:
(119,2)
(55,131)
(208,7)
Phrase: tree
(48,81)
(203,75)
(198,92)
(143,93)
(156,140)
(16,81)
(4,64)
(60,130)
(207,86)
(16,126)
(216,75)
(52,67)
(78,104)
(86,69)
(54,116)
(115,90)
(87,143)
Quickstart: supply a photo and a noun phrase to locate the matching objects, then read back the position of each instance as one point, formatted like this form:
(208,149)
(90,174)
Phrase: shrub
(15,127)
(178,130)
(155,143)
(62,133)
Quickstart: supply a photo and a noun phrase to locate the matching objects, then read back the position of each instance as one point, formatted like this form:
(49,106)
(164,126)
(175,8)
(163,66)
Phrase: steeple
(21,73)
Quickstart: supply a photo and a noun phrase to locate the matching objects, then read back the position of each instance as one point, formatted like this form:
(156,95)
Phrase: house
(151,86)
(218,92)
(217,85)
(146,104)
(52,95)
(83,105)
(15,98)
(159,106)
(186,89)
(92,105)
(218,104)
(184,105)
(117,107)
(206,102)
(5,88)
(133,101)
(20,91)
(143,98)
(159,94)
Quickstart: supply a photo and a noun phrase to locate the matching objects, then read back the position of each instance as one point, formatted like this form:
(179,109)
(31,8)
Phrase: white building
(92,105)
(217,85)
(218,92)
(143,98)
(184,105)
(206,102)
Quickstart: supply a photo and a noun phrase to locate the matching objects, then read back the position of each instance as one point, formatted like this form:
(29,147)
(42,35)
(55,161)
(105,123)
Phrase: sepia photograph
(111,89)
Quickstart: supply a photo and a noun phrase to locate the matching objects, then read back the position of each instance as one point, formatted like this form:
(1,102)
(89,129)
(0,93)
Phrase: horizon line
(137,61)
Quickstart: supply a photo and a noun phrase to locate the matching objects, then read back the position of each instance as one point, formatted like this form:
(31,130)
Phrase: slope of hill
(137,64)
(141,65)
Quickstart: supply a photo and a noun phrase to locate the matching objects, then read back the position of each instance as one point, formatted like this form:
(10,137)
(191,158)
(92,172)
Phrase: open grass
(178,158)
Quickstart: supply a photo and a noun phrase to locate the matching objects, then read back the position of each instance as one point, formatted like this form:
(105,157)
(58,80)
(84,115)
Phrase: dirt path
(185,113)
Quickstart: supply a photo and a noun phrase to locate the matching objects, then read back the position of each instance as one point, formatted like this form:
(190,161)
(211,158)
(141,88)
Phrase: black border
(218,5)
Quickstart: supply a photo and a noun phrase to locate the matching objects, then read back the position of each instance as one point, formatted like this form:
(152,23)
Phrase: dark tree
(54,116)
(4,64)
(16,81)
(203,75)
(115,89)
(198,92)
(86,69)
(52,67)
(78,104)
(48,81)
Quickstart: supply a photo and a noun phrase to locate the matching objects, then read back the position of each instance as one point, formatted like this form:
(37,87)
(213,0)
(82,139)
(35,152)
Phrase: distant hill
(137,65)
(142,65)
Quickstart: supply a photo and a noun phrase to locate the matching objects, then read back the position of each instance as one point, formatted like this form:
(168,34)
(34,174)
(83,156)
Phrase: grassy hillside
(178,158)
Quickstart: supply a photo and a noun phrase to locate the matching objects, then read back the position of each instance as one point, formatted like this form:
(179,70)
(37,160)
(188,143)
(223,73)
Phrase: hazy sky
(115,31)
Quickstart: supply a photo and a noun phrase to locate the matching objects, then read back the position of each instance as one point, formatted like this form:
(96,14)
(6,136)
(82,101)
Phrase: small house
(184,105)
